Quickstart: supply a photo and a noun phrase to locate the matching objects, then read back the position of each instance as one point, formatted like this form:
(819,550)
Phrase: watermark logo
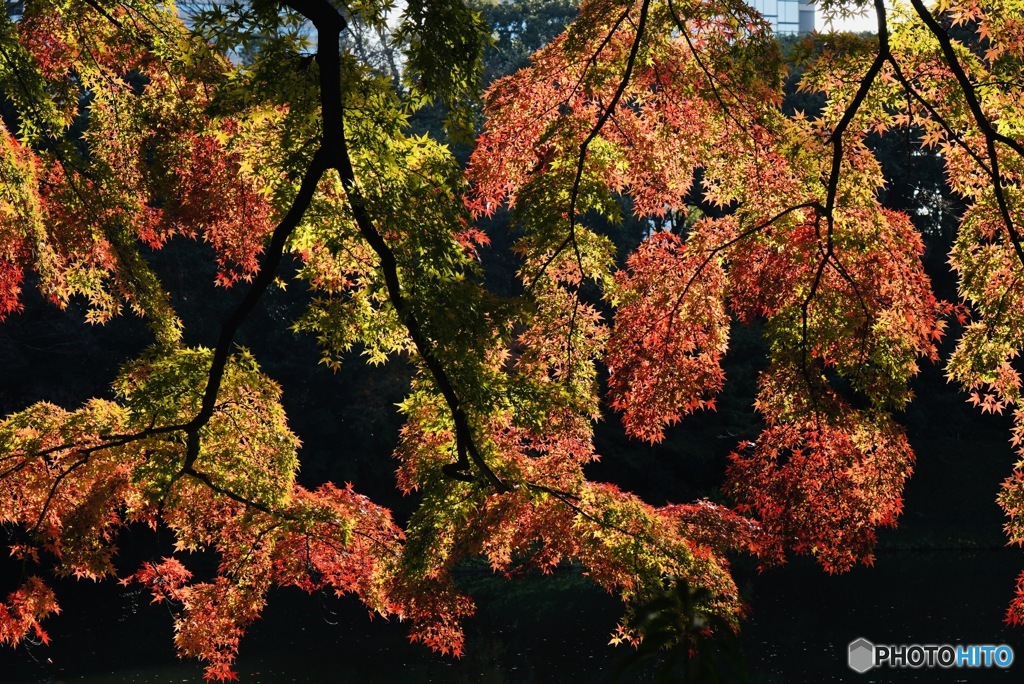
(862,655)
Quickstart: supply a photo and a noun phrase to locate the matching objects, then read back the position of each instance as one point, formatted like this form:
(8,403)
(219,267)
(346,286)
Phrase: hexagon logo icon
(861,655)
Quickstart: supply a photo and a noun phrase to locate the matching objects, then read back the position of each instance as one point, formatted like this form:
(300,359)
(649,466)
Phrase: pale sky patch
(865,22)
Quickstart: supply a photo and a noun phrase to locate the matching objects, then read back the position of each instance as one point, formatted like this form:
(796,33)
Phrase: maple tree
(256,128)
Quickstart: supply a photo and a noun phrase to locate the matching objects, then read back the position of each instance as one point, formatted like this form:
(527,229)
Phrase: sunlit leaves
(822,485)
(64,486)
(131,130)
(21,226)
(671,330)
(326,539)
(215,199)
(21,614)
(73,479)
(246,448)
(444,44)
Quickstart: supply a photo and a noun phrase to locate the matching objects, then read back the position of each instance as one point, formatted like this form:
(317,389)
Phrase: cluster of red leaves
(78,243)
(768,275)
(164,579)
(852,301)
(11,277)
(153,170)
(1015,613)
(714,526)
(342,546)
(25,608)
(671,330)
(863,286)
(61,42)
(73,498)
(823,476)
(213,198)
(213,619)
(436,608)
(539,117)
(44,38)
(823,486)
(71,504)
(845,301)
(73,487)
(624,544)
(329,538)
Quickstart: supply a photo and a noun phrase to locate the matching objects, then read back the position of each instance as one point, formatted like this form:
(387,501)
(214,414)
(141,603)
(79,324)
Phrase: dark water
(555,630)
(803,619)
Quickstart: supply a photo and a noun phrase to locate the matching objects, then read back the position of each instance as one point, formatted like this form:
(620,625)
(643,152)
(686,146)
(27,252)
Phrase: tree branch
(585,145)
(329,24)
(266,275)
(984,125)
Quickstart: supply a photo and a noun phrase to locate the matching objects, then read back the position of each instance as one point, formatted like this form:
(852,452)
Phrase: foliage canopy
(273,131)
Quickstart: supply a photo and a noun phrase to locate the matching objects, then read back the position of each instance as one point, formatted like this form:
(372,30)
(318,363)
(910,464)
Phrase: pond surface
(555,630)
(803,619)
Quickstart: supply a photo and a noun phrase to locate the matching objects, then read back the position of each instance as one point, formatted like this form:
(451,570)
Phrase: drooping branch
(603,119)
(992,136)
(332,153)
(329,24)
(713,252)
(909,88)
(832,187)
(266,275)
(836,138)
(609,110)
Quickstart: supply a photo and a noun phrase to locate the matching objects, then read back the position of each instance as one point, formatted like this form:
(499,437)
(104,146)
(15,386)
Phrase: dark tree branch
(585,145)
(266,275)
(329,24)
(714,251)
(909,88)
(331,154)
(992,136)
(832,189)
